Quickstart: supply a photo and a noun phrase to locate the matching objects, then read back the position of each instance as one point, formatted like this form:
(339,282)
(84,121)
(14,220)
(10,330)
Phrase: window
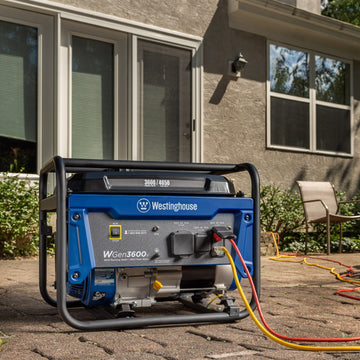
(164,101)
(126,102)
(309,101)
(18,97)
(26,90)
(92,99)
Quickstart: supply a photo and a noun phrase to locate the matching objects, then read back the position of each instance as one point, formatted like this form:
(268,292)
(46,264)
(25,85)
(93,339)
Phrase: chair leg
(340,242)
(306,237)
(328,234)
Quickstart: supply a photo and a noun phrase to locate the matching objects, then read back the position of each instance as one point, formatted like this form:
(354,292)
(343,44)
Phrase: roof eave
(282,22)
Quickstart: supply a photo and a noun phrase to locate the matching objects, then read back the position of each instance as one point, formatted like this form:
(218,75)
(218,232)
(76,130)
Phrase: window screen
(333,129)
(290,123)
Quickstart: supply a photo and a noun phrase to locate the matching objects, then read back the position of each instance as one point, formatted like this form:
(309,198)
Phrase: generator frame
(57,202)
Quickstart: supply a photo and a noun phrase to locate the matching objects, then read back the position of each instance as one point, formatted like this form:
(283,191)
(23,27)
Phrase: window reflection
(289,71)
(332,80)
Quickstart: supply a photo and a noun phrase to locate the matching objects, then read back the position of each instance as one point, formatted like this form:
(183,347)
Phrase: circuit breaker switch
(115,232)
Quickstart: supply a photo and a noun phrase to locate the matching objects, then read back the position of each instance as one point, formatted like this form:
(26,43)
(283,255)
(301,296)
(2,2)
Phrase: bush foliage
(281,210)
(18,216)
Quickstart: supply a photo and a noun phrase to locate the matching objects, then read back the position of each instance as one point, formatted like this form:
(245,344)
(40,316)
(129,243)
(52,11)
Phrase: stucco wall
(234,128)
(191,17)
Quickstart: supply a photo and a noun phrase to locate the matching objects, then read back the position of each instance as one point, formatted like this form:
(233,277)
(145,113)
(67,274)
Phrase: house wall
(190,17)
(234,125)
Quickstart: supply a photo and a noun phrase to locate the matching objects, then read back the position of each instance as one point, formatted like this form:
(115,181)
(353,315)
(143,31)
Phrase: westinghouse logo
(144,205)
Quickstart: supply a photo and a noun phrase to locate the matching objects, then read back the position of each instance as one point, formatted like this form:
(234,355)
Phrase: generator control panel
(122,230)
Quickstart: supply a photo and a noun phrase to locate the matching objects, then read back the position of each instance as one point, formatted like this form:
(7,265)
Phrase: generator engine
(133,234)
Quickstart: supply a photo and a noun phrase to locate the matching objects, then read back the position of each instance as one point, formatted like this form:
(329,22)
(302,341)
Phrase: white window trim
(45,86)
(312,102)
(134,29)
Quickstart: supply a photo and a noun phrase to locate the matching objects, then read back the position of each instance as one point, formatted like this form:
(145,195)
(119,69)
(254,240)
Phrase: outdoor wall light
(237,65)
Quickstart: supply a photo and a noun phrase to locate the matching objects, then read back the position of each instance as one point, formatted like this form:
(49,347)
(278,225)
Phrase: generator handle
(81,165)
(62,166)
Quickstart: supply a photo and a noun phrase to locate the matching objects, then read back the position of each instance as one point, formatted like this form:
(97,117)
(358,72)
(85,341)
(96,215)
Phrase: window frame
(45,78)
(311,100)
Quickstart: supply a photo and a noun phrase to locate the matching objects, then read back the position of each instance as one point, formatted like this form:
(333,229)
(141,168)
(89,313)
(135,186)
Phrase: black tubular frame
(58,202)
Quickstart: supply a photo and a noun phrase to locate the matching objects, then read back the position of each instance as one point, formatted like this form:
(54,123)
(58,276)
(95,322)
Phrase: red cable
(340,292)
(263,319)
(331,260)
(278,238)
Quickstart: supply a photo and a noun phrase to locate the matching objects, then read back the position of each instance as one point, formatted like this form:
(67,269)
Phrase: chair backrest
(317,190)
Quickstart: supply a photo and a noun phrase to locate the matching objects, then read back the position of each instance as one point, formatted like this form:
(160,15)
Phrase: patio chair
(321,206)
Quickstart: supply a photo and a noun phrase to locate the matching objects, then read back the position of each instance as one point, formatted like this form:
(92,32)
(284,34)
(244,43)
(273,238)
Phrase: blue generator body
(130,239)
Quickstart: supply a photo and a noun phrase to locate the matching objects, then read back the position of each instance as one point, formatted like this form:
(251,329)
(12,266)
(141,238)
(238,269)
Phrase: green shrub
(317,243)
(355,210)
(281,210)
(18,217)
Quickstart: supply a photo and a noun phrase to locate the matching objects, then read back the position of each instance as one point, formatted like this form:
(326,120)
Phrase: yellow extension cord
(267,333)
(286,258)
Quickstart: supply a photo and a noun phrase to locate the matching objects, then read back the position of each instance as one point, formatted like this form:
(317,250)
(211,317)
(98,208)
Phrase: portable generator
(131,235)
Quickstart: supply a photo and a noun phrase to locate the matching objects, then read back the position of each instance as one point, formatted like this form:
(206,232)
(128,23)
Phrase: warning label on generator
(98,295)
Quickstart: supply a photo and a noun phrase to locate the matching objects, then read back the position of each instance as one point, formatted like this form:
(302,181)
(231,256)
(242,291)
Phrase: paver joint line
(208,337)
(105,348)
(42,354)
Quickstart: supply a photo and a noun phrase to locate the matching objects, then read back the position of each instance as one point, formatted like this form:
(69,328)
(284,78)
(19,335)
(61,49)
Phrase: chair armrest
(322,203)
(318,200)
